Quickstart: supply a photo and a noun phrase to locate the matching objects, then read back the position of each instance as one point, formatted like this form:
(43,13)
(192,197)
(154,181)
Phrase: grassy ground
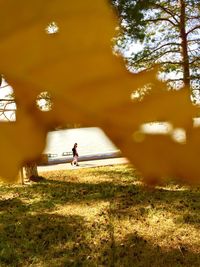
(99,217)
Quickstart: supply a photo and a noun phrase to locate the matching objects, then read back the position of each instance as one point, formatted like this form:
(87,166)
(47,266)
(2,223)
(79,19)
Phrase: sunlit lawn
(99,217)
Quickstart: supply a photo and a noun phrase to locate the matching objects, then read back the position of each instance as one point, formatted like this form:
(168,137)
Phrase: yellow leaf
(20,141)
(75,65)
(158,156)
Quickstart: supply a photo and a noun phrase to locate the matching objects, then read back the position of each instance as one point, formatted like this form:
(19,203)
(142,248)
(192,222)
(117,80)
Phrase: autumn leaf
(75,65)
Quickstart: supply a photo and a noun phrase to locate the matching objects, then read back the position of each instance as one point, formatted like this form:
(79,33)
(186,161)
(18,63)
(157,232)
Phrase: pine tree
(168,31)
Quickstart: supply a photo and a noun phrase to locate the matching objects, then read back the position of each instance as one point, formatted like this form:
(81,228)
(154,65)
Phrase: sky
(5,90)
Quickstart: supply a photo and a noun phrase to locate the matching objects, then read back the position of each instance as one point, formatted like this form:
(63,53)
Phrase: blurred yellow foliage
(74,63)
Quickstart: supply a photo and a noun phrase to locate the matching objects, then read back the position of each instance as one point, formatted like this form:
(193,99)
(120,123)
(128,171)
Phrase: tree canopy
(168,31)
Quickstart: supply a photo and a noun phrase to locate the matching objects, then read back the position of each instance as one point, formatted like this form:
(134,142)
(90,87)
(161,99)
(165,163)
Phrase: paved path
(83,164)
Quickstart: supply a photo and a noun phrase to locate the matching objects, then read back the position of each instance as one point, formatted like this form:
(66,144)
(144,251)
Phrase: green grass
(99,217)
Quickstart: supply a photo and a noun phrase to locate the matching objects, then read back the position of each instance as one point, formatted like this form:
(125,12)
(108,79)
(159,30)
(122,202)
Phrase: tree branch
(194,28)
(194,17)
(176,80)
(195,60)
(194,40)
(161,19)
(4,86)
(160,47)
(151,57)
(171,62)
(167,11)
(7,100)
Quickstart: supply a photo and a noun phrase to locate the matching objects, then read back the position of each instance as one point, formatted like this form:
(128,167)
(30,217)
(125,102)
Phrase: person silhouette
(75,155)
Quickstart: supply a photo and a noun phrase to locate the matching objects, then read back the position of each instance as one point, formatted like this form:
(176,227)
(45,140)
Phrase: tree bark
(31,171)
(184,45)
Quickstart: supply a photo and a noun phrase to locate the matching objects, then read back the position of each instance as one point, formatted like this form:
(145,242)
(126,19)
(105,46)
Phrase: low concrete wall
(50,159)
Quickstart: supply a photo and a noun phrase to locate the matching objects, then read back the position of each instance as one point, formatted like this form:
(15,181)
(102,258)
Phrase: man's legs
(75,161)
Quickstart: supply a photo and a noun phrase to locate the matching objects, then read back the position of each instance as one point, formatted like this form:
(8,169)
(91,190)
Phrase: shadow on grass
(183,205)
(30,233)
(136,251)
(49,193)
(46,240)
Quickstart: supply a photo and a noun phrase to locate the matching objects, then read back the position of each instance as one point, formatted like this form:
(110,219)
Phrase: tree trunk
(31,171)
(184,45)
